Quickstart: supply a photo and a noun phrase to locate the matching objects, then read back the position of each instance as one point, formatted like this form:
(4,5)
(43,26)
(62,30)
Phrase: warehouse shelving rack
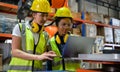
(8,5)
(11,6)
(4,36)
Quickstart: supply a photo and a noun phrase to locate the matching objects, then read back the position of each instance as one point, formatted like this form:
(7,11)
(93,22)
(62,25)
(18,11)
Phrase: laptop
(78,45)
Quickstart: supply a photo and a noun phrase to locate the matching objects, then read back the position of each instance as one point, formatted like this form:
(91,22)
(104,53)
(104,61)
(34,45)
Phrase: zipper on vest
(34,50)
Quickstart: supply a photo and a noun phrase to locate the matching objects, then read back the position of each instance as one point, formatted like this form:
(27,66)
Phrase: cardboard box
(108,34)
(91,30)
(1,62)
(76,15)
(87,16)
(100,31)
(115,22)
(96,17)
(106,19)
(117,35)
(76,31)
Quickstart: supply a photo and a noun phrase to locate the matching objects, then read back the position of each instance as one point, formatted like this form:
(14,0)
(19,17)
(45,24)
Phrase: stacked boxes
(96,17)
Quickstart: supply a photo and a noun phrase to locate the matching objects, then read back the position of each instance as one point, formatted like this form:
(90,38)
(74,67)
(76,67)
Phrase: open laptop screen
(78,45)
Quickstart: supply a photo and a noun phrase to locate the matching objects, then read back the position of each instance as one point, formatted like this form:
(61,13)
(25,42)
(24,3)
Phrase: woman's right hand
(47,55)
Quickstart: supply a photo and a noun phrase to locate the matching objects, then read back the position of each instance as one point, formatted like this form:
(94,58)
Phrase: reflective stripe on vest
(20,67)
(71,65)
(40,48)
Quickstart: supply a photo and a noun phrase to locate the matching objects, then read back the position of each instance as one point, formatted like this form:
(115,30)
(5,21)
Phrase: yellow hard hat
(40,6)
(63,12)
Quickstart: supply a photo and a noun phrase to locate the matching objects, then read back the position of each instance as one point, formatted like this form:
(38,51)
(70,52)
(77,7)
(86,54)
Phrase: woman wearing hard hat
(29,41)
(63,20)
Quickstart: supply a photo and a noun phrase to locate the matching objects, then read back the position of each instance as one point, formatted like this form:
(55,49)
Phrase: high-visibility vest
(70,65)
(22,65)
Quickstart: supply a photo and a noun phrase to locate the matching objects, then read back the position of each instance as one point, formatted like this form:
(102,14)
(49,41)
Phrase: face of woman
(40,18)
(64,26)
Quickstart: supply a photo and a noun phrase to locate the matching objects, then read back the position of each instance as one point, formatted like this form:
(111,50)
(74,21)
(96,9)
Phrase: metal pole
(81,6)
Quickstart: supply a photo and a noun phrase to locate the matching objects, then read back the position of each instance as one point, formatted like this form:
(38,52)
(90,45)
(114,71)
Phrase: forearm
(21,54)
(45,56)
